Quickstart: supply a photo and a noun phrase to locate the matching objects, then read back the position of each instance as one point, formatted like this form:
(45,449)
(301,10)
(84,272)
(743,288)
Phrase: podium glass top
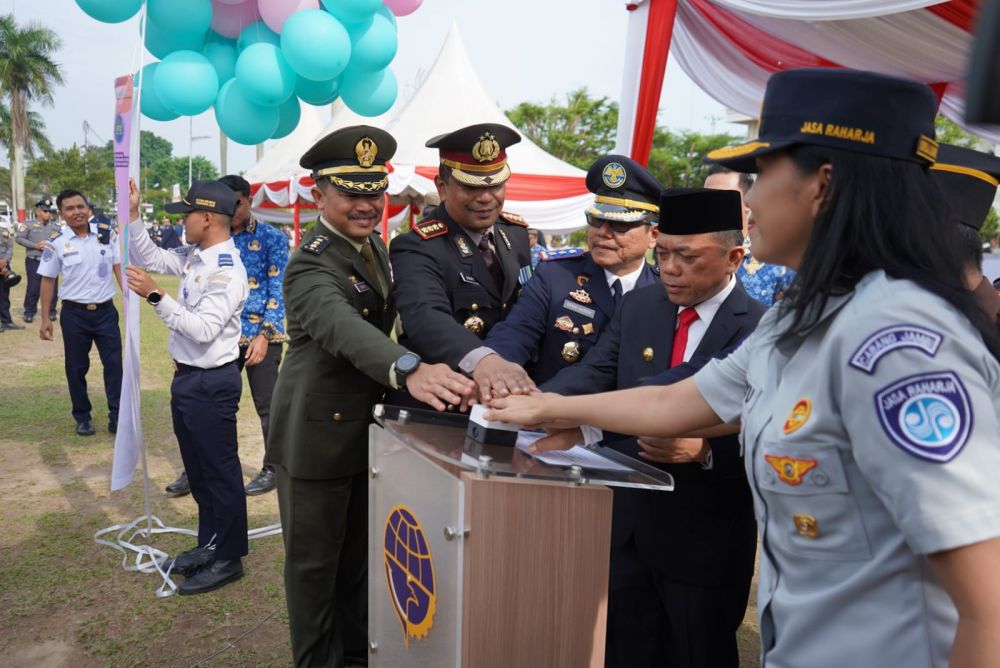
(443,437)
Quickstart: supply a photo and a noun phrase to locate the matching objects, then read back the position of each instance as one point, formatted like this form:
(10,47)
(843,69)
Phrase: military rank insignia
(225,260)
(790,470)
(428,229)
(409,572)
(514,218)
(317,244)
(503,235)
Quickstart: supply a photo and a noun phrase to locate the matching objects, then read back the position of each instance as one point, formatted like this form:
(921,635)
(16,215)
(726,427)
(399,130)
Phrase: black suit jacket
(693,533)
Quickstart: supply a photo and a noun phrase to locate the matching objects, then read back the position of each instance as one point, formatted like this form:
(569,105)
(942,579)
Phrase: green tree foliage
(85,170)
(582,128)
(576,130)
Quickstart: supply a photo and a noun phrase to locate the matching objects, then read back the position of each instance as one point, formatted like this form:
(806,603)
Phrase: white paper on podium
(578,455)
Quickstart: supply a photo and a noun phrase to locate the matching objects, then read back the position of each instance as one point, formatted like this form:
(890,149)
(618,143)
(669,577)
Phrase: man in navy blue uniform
(681,561)
(87,256)
(460,270)
(561,312)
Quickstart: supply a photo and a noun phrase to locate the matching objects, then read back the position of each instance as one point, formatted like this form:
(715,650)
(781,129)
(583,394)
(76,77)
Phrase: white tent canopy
(548,192)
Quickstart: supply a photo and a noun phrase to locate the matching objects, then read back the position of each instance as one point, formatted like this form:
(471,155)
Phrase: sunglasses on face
(616,227)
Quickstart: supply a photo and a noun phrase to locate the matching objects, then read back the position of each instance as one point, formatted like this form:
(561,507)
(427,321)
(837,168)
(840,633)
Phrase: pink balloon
(276,12)
(403,7)
(229,19)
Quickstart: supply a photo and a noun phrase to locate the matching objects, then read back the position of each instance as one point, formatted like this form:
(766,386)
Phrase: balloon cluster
(256,61)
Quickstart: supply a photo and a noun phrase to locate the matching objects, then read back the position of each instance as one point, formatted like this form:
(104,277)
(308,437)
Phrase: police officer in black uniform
(33,236)
(461,270)
(562,312)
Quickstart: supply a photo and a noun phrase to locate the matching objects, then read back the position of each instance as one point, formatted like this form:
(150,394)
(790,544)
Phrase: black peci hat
(353,159)
(845,109)
(700,210)
(624,190)
(968,180)
(206,196)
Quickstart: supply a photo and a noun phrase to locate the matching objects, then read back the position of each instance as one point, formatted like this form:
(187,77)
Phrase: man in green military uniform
(340,361)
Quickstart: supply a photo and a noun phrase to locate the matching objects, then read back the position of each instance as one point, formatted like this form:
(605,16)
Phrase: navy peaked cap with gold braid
(624,191)
(856,111)
(353,159)
(206,196)
(968,180)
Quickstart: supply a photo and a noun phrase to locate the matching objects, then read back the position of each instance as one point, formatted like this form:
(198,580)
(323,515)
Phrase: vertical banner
(128,440)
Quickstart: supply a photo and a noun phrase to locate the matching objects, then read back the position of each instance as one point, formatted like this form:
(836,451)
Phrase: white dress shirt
(204,319)
(85,263)
(628,280)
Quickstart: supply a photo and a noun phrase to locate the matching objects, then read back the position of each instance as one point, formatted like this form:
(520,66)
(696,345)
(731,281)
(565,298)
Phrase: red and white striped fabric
(731,47)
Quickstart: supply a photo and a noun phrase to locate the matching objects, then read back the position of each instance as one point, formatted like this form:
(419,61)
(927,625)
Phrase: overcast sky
(523,50)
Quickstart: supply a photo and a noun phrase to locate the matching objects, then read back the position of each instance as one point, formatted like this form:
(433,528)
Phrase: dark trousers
(33,292)
(656,621)
(81,329)
(261,378)
(325,529)
(4,302)
(203,404)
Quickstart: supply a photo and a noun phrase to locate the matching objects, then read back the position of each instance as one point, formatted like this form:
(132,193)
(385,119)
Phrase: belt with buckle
(87,307)
(187,368)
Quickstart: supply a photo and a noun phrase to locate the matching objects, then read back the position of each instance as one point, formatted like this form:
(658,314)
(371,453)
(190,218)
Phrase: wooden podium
(484,556)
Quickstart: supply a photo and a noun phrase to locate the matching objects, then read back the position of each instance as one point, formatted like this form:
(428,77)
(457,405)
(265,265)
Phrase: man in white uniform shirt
(204,324)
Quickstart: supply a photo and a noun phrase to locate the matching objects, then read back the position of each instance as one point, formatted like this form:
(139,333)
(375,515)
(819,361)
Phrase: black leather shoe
(85,428)
(12,325)
(262,484)
(28,318)
(210,578)
(112,427)
(190,562)
(179,487)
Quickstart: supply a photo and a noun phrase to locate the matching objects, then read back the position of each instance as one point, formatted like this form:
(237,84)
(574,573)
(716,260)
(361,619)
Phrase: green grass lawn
(65,601)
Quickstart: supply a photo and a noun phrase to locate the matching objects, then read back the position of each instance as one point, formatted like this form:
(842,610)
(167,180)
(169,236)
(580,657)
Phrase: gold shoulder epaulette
(317,244)
(428,229)
(514,218)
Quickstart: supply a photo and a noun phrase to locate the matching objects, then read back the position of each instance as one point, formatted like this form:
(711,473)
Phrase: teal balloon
(149,102)
(288,117)
(110,11)
(244,121)
(222,55)
(187,83)
(256,33)
(352,11)
(373,47)
(264,76)
(387,13)
(315,44)
(179,17)
(317,93)
(161,43)
(369,93)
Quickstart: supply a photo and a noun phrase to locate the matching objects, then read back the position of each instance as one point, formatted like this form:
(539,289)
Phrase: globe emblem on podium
(409,573)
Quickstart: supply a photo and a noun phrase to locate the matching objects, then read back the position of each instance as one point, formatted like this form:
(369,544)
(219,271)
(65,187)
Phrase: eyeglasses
(617,227)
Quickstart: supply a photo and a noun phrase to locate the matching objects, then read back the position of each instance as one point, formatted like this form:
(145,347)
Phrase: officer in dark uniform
(339,362)
(8,278)
(33,237)
(968,180)
(681,562)
(461,270)
(87,256)
(562,312)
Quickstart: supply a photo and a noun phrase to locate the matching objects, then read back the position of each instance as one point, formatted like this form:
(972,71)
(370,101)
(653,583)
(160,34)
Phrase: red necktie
(685,318)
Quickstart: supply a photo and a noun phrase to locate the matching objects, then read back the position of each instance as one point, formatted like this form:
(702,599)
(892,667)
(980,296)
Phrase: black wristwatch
(405,365)
(154,297)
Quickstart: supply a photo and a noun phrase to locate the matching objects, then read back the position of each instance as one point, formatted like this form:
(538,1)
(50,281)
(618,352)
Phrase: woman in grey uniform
(868,398)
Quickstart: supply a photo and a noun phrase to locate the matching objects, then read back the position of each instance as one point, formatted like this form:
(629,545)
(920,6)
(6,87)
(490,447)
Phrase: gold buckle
(91,307)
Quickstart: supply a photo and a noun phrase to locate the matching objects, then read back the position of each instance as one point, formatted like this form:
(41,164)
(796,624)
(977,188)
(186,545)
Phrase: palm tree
(27,73)
(39,143)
